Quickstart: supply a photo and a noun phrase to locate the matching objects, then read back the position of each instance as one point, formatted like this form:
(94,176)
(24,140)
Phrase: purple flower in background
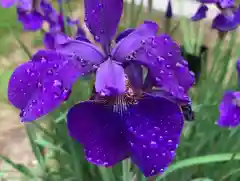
(229,110)
(127,116)
(227,20)
(169,13)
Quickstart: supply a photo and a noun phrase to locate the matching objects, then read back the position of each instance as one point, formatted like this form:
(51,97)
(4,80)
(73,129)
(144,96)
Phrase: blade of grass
(199,161)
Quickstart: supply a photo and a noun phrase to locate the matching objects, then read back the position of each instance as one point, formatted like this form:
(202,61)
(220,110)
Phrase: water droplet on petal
(148,156)
(160,58)
(55,66)
(170,141)
(179,64)
(43,60)
(143,42)
(34,101)
(169,54)
(66,94)
(160,138)
(57,83)
(22,113)
(50,71)
(154,144)
(96,38)
(39,84)
(100,5)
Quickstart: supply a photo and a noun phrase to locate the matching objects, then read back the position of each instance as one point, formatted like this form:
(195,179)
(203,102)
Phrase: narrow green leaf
(199,161)
(19,167)
(202,179)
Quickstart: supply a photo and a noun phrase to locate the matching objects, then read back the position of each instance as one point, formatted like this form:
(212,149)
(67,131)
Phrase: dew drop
(170,141)
(55,66)
(160,138)
(170,54)
(154,144)
(101,31)
(161,71)
(57,83)
(28,71)
(143,42)
(22,113)
(179,64)
(160,58)
(163,154)
(96,38)
(148,156)
(43,60)
(66,94)
(34,101)
(50,71)
(100,5)
(39,84)
(185,62)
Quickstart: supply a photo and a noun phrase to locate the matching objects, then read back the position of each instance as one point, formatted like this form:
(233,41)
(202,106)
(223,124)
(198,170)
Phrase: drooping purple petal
(31,20)
(169,13)
(135,75)
(7,3)
(101,132)
(102,18)
(40,85)
(229,110)
(26,5)
(84,51)
(134,41)
(155,126)
(201,13)
(224,23)
(124,34)
(162,56)
(110,79)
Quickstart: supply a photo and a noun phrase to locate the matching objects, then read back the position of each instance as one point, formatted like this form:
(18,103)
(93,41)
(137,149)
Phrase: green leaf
(202,179)
(47,144)
(199,161)
(19,167)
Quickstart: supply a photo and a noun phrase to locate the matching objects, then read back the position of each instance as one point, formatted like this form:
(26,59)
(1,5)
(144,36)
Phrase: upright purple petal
(154,126)
(229,110)
(135,75)
(110,79)
(40,85)
(224,23)
(201,13)
(101,132)
(134,41)
(102,18)
(31,20)
(124,34)
(84,51)
(7,3)
(162,56)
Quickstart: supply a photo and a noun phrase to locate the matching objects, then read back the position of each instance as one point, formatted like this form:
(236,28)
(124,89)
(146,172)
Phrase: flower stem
(125,170)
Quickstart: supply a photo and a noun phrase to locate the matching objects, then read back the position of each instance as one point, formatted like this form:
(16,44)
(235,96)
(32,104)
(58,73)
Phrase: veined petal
(229,110)
(30,20)
(134,41)
(7,3)
(84,51)
(110,79)
(154,127)
(201,13)
(135,75)
(100,130)
(162,56)
(40,85)
(102,18)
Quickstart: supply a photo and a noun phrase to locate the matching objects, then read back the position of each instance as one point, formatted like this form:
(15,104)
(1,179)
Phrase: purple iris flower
(229,110)
(127,116)
(227,20)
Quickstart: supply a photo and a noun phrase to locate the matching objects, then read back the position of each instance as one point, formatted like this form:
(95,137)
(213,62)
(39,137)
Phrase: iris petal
(154,126)
(102,18)
(110,79)
(40,85)
(224,22)
(201,13)
(7,3)
(133,41)
(229,110)
(100,131)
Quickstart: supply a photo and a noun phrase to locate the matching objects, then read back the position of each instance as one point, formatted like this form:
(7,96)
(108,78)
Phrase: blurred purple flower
(169,12)
(229,110)
(126,116)
(227,20)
